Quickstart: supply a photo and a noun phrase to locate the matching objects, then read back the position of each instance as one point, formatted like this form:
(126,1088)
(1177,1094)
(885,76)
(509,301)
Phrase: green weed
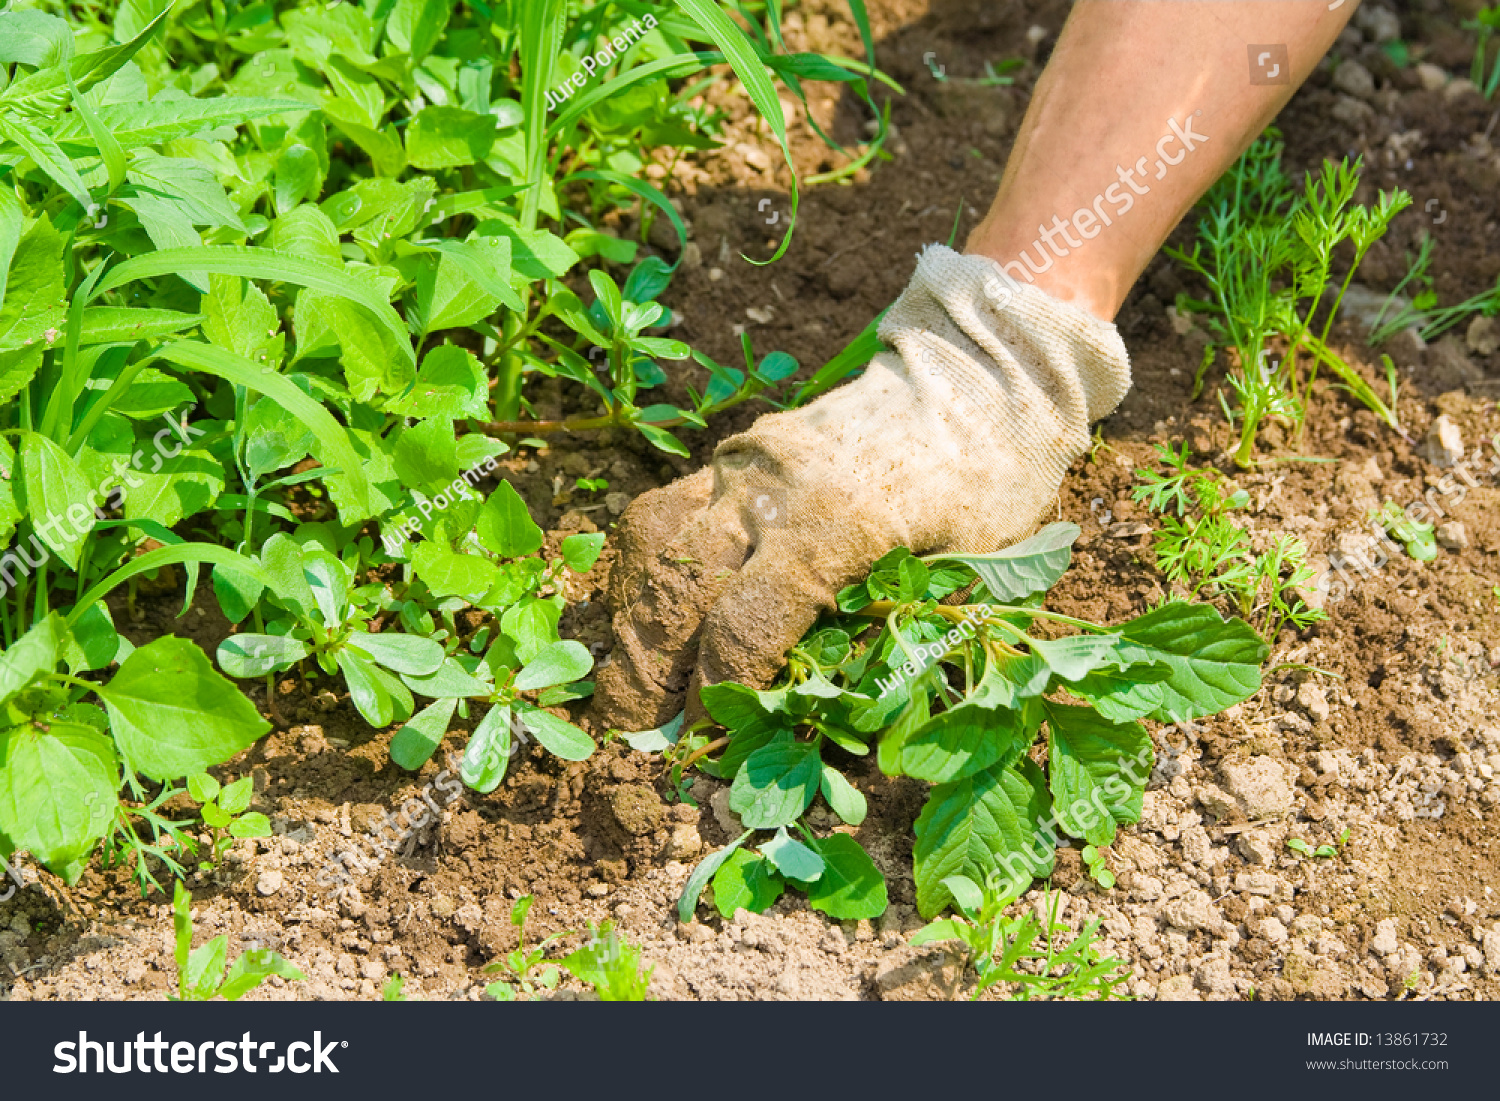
(1202,549)
(271,276)
(605,963)
(955,695)
(1039,961)
(1486,22)
(200,971)
(1266,254)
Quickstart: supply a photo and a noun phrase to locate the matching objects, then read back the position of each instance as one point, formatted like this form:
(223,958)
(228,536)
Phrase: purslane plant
(956,695)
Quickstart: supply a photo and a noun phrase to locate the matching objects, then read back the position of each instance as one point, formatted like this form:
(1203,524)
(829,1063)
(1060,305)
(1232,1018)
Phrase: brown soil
(1394,741)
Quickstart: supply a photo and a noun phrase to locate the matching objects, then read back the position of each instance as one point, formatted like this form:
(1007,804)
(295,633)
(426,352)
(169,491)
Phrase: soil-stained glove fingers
(762,614)
(674,555)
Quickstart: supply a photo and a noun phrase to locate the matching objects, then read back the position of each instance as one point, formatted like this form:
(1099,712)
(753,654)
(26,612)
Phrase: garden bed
(1387,752)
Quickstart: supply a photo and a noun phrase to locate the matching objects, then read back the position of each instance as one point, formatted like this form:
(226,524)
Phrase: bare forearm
(1143,105)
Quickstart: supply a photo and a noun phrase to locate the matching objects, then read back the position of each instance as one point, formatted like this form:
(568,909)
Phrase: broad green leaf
(174,486)
(448,682)
(792,858)
(687,902)
(34,653)
(367,689)
(92,643)
(235,798)
(419,737)
(659,739)
(163,119)
(251,655)
(409,654)
(560,737)
(968,738)
(746,881)
(239,318)
(150,394)
(35,39)
(851,886)
(57,791)
(1213,664)
(582,550)
(846,800)
(12,221)
(967,894)
(185,184)
(285,575)
(450,384)
(33,305)
(532,624)
(56,496)
(253,967)
(505,526)
(485,262)
(328,580)
(446,296)
(205,969)
(426,458)
(1091,761)
(448,137)
(274,438)
(1076,656)
(1123,695)
(307,231)
(983,827)
(449,574)
(249,825)
(415,26)
(557,663)
(1030,566)
(776,784)
(938,931)
(202,787)
(489,751)
(173,714)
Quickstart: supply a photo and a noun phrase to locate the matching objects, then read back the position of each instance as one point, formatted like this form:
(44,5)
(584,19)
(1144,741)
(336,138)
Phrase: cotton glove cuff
(1033,371)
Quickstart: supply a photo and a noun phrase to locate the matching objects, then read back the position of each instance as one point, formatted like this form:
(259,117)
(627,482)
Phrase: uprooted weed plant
(274,279)
(957,695)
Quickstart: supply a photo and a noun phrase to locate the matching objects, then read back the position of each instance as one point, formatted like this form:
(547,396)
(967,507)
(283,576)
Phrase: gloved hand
(956,441)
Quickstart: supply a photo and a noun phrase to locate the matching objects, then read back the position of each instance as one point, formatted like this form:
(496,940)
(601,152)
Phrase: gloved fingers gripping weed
(955,441)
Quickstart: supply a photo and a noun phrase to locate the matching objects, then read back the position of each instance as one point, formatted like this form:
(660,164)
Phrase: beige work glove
(956,441)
